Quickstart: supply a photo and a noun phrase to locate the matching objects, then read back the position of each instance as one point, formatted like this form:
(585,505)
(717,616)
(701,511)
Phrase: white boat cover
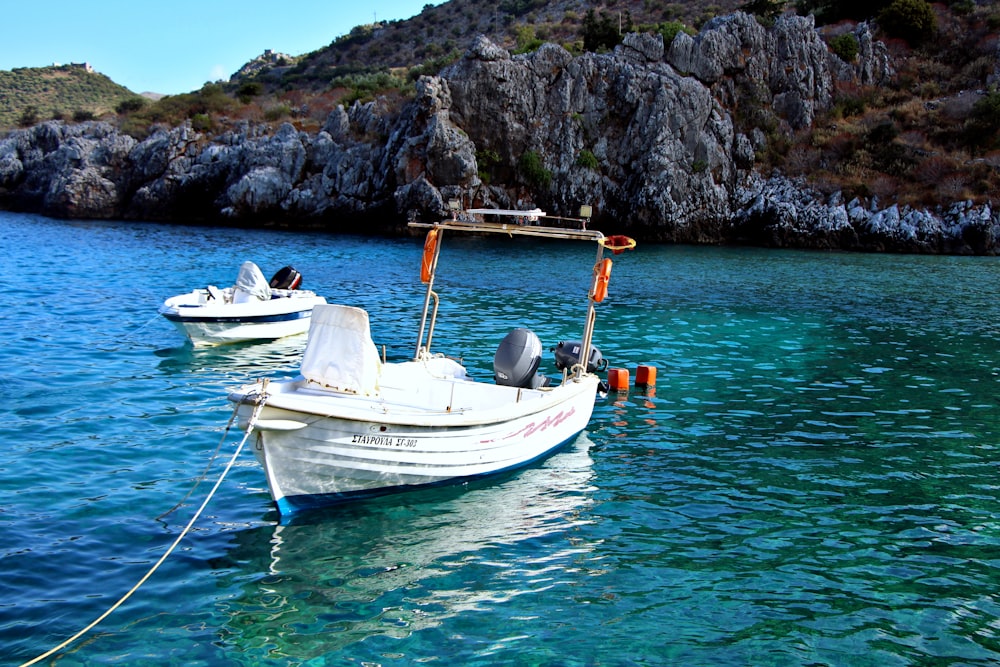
(251,284)
(340,353)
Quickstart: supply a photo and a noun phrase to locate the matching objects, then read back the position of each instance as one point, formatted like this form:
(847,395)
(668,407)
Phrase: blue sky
(176,47)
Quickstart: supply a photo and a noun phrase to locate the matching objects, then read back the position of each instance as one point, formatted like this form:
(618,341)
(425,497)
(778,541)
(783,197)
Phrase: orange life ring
(427,264)
(602,276)
(618,243)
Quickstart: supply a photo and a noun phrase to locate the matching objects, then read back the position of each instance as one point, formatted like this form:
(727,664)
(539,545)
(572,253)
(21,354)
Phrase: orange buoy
(618,378)
(645,376)
(603,271)
(427,264)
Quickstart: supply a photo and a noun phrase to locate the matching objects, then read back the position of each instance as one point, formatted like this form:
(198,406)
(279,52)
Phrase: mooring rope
(208,466)
(154,318)
(250,426)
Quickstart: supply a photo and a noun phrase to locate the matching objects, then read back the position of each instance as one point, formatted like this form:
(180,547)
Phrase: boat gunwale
(373,409)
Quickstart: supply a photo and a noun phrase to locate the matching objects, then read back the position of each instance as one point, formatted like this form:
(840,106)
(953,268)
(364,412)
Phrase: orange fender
(427,264)
(602,275)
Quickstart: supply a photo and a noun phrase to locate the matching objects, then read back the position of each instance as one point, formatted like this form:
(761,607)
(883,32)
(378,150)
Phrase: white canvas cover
(251,284)
(340,353)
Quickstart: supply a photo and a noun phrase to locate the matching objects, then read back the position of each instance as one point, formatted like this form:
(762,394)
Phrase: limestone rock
(646,135)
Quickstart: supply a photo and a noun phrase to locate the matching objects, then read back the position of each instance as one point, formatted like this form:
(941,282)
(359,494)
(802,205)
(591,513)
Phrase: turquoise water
(813,480)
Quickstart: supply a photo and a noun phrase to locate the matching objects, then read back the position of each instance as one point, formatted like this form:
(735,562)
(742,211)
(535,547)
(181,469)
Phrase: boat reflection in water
(396,565)
(237,360)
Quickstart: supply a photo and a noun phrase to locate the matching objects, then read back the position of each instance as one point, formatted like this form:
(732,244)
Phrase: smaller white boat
(252,309)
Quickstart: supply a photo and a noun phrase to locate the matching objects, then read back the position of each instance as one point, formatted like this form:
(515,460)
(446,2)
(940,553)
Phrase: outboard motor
(517,359)
(286,278)
(568,354)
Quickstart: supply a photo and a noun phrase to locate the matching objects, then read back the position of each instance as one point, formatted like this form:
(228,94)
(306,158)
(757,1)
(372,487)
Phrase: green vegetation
(604,33)
(587,160)
(201,108)
(669,31)
(533,171)
(248,90)
(433,66)
(131,105)
(983,126)
(832,11)
(521,7)
(768,10)
(845,46)
(912,20)
(363,87)
(30,95)
(486,159)
(359,34)
(526,39)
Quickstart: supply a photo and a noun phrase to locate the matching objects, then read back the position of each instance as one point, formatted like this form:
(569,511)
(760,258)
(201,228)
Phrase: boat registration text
(383,440)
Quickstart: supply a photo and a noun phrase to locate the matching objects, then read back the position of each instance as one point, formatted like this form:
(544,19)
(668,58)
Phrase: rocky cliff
(646,135)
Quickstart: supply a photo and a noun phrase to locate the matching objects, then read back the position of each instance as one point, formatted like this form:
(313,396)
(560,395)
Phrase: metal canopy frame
(509,229)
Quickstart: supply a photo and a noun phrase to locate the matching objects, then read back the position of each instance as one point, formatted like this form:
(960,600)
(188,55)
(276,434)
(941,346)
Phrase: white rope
(154,318)
(187,529)
(208,466)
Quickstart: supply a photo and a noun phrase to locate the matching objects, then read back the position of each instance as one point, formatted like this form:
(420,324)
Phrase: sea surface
(812,481)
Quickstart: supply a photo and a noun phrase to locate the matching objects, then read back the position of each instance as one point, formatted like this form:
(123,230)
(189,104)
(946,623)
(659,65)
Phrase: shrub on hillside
(533,171)
(201,122)
(526,38)
(983,124)
(845,46)
(767,10)
(363,87)
(28,117)
(130,105)
(587,160)
(670,29)
(604,33)
(521,7)
(832,11)
(277,112)
(911,20)
(249,90)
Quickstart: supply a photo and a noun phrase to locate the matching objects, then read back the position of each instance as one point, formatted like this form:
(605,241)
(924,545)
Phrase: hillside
(441,33)
(32,94)
(931,134)
(927,132)
(422,43)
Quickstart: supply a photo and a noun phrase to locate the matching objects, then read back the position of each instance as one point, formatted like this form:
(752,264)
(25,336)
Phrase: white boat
(252,309)
(353,425)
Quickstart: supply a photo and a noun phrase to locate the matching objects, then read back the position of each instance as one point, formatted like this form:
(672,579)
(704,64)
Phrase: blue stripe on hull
(253,319)
(291,504)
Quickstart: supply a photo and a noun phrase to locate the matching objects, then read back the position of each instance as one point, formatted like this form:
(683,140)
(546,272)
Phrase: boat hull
(313,459)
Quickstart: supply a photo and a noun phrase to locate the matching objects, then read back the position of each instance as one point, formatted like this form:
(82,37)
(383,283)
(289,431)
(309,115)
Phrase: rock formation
(646,135)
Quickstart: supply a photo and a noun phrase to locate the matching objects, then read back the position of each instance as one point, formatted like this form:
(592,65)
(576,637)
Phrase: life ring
(430,249)
(618,243)
(602,271)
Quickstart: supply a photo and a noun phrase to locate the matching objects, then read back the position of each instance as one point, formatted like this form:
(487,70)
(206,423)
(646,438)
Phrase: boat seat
(340,353)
